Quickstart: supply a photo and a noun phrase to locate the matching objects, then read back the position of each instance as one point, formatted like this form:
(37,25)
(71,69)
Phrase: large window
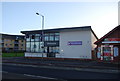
(37,47)
(56,38)
(32,46)
(28,46)
(52,37)
(37,38)
(46,38)
(34,41)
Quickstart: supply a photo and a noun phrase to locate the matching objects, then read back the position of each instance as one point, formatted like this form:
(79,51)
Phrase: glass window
(28,46)
(27,39)
(56,49)
(57,33)
(37,34)
(41,45)
(40,38)
(56,38)
(46,33)
(32,47)
(37,39)
(116,53)
(51,38)
(51,33)
(46,38)
(36,46)
(31,38)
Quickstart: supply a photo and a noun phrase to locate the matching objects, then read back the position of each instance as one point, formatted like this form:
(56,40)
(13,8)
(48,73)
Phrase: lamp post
(42,32)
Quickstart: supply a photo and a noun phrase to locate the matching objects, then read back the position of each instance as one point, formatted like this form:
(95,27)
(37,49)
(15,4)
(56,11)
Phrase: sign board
(51,43)
(74,42)
(112,39)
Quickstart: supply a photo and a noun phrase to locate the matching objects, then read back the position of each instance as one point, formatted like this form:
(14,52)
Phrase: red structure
(108,47)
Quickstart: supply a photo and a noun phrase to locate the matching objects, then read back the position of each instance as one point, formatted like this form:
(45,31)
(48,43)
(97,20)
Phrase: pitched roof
(106,35)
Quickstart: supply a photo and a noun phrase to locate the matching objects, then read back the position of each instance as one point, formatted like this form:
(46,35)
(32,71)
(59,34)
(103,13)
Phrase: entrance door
(107,53)
(50,52)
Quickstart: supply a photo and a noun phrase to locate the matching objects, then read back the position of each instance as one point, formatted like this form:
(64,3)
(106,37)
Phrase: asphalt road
(61,63)
(57,74)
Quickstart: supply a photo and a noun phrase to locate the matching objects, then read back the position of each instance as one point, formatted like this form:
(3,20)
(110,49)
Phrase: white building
(75,42)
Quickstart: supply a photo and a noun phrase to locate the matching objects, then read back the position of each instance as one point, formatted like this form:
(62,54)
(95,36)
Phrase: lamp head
(37,13)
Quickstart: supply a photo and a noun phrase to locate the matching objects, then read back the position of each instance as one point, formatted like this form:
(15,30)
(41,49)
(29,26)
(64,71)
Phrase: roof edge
(24,32)
(107,34)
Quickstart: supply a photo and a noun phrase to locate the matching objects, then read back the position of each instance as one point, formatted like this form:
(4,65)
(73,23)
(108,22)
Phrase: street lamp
(42,32)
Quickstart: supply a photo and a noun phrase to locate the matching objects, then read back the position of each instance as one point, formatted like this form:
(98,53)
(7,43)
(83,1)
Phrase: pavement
(65,64)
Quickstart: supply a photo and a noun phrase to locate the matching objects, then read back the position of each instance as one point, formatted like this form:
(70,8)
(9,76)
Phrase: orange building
(12,42)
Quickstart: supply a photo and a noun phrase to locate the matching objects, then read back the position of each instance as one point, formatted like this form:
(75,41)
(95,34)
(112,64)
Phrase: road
(57,74)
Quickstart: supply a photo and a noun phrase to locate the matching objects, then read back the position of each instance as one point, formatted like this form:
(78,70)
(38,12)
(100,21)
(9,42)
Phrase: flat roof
(60,29)
(9,36)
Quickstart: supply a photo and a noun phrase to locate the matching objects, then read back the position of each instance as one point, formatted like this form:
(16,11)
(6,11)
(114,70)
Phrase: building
(0,44)
(74,42)
(108,47)
(10,43)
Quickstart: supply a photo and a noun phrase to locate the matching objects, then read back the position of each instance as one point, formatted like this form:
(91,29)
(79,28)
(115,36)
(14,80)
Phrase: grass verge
(12,54)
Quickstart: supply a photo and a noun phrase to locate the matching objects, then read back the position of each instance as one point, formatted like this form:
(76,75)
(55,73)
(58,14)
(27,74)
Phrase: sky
(21,16)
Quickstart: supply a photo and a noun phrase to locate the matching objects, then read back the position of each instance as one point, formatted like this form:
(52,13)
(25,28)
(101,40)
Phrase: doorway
(50,52)
(107,53)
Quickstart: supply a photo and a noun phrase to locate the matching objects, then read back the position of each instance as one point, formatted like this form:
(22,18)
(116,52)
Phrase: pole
(42,34)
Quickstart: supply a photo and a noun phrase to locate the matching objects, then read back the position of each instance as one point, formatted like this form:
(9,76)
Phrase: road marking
(40,76)
(33,75)
(4,71)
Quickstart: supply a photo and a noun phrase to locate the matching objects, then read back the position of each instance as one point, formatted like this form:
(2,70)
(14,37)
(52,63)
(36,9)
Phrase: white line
(4,71)
(39,76)
(33,76)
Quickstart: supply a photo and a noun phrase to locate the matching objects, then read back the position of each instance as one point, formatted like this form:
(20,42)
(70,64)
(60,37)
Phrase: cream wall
(93,39)
(75,51)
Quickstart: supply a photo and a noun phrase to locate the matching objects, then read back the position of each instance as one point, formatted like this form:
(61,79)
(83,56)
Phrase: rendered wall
(75,51)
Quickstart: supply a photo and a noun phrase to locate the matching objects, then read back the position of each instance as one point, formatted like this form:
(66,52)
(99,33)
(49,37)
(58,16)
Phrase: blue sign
(75,43)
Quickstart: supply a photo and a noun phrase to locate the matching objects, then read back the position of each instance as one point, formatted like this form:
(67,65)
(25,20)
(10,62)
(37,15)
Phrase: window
(32,47)
(37,38)
(46,38)
(36,46)
(56,49)
(56,38)
(51,38)
(27,39)
(37,35)
(116,53)
(32,37)
(41,45)
(57,34)
(46,33)
(51,33)
(21,44)
(28,46)
(34,42)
